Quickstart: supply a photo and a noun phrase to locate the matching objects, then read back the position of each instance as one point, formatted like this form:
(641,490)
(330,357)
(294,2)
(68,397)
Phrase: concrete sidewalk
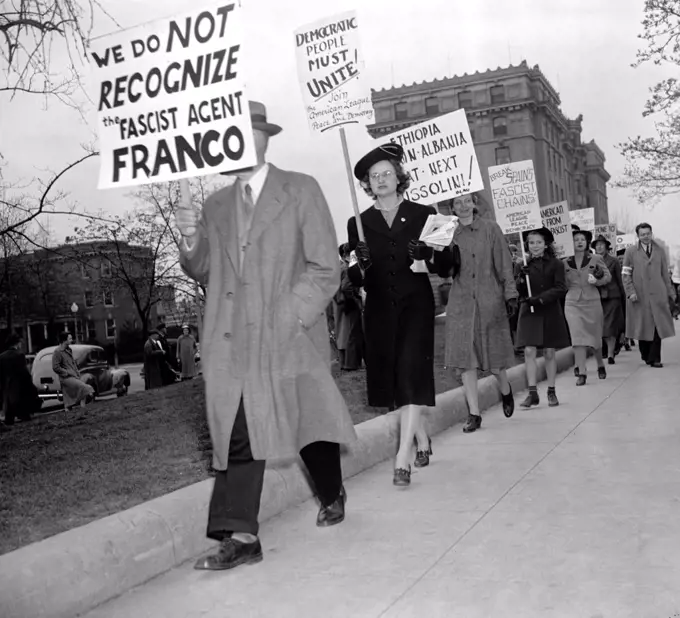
(566,512)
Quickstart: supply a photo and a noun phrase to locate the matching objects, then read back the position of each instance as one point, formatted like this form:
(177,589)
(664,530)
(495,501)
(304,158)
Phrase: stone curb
(70,573)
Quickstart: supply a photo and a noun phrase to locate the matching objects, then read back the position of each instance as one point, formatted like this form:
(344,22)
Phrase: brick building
(74,287)
(514,114)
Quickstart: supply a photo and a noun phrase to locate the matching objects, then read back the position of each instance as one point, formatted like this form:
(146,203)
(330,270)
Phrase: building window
(106,268)
(110,328)
(497,94)
(401,111)
(465,99)
(502,156)
(108,298)
(547,149)
(83,271)
(552,191)
(431,106)
(79,330)
(472,134)
(89,298)
(91,331)
(500,126)
(562,194)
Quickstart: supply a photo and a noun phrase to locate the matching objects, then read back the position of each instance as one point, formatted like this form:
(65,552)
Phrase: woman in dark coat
(612,296)
(399,307)
(348,319)
(545,327)
(18,396)
(155,364)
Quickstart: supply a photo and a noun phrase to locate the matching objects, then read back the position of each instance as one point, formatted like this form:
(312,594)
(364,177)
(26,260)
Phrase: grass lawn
(65,470)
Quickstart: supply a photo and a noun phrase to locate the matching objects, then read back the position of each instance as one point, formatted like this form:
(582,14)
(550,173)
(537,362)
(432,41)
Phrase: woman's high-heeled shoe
(581,380)
(423,457)
(402,477)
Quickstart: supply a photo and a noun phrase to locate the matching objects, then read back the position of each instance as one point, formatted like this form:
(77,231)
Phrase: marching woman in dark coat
(545,327)
(612,296)
(399,308)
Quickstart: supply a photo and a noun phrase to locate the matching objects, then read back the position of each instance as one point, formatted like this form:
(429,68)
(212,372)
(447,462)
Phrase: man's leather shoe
(656,365)
(232,553)
(333,513)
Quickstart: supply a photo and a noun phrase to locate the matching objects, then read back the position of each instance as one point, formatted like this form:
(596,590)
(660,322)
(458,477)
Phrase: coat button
(230,294)
(393,257)
(227,335)
(391,273)
(394,244)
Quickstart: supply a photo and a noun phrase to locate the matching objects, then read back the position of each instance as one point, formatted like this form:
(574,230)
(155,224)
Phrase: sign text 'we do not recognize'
(171,101)
(330,70)
(440,158)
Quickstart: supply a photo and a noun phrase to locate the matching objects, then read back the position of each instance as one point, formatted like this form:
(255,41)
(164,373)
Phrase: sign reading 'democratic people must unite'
(515,196)
(330,69)
(440,158)
(584,218)
(171,102)
(556,218)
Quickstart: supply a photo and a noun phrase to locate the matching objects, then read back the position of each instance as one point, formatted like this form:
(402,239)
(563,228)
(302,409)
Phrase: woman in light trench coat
(483,294)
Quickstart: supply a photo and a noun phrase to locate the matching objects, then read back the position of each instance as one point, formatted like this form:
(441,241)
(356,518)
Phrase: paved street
(568,512)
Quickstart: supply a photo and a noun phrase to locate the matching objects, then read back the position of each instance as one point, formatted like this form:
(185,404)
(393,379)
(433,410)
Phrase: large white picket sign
(440,158)
(515,196)
(584,218)
(171,101)
(331,72)
(556,218)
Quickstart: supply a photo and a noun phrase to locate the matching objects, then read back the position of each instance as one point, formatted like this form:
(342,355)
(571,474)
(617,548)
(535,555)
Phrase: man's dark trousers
(650,351)
(235,502)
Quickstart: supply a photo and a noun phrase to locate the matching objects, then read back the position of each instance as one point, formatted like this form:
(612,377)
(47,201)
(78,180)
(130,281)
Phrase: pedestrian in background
(349,335)
(74,390)
(585,272)
(650,295)
(541,324)
(186,353)
(155,361)
(612,296)
(482,298)
(399,312)
(18,395)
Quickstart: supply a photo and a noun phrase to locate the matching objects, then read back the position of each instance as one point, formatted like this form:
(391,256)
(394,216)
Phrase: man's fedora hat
(387,152)
(258,118)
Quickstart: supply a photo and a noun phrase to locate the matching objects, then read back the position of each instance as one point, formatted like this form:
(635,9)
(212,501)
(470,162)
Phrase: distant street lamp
(74,311)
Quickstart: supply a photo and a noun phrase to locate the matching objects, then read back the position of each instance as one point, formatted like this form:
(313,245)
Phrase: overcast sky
(584,47)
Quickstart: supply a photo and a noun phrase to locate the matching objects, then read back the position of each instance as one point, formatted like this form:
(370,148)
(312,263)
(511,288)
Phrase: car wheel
(122,392)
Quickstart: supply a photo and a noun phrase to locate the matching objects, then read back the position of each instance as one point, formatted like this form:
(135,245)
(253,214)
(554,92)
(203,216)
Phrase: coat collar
(374,219)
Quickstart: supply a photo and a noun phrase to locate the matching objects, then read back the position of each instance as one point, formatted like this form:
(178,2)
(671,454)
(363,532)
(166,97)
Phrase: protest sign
(515,196)
(171,101)
(623,241)
(584,218)
(608,230)
(556,218)
(330,68)
(440,158)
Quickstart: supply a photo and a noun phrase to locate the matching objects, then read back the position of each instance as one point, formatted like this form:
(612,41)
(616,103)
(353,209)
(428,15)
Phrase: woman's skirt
(614,322)
(585,319)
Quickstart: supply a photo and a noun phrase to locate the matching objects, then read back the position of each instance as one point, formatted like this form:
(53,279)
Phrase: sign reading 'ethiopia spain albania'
(171,99)
(330,69)
(515,197)
(440,158)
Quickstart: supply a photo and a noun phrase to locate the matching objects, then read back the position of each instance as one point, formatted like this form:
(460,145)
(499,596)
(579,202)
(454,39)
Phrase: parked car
(94,370)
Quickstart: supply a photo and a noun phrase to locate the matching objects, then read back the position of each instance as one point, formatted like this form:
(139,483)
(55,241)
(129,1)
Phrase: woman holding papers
(541,321)
(483,295)
(399,309)
(582,307)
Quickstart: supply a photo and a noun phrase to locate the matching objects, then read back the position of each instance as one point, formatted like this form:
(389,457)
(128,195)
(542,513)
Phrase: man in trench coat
(649,293)
(18,395)
(266,248)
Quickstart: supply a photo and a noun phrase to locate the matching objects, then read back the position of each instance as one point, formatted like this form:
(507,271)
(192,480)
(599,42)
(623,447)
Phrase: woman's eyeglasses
(379,175)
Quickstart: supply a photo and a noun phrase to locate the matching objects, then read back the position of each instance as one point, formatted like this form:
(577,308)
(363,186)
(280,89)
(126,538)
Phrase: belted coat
(649,279)
(265,336)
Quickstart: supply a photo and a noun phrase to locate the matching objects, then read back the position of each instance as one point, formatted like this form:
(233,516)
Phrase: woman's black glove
(418,250)
(524,270)
(533,301)
(363,255)
(511,307)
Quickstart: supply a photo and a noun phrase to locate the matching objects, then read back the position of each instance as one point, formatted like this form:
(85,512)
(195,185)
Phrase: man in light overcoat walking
(266,248)
(649,294)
